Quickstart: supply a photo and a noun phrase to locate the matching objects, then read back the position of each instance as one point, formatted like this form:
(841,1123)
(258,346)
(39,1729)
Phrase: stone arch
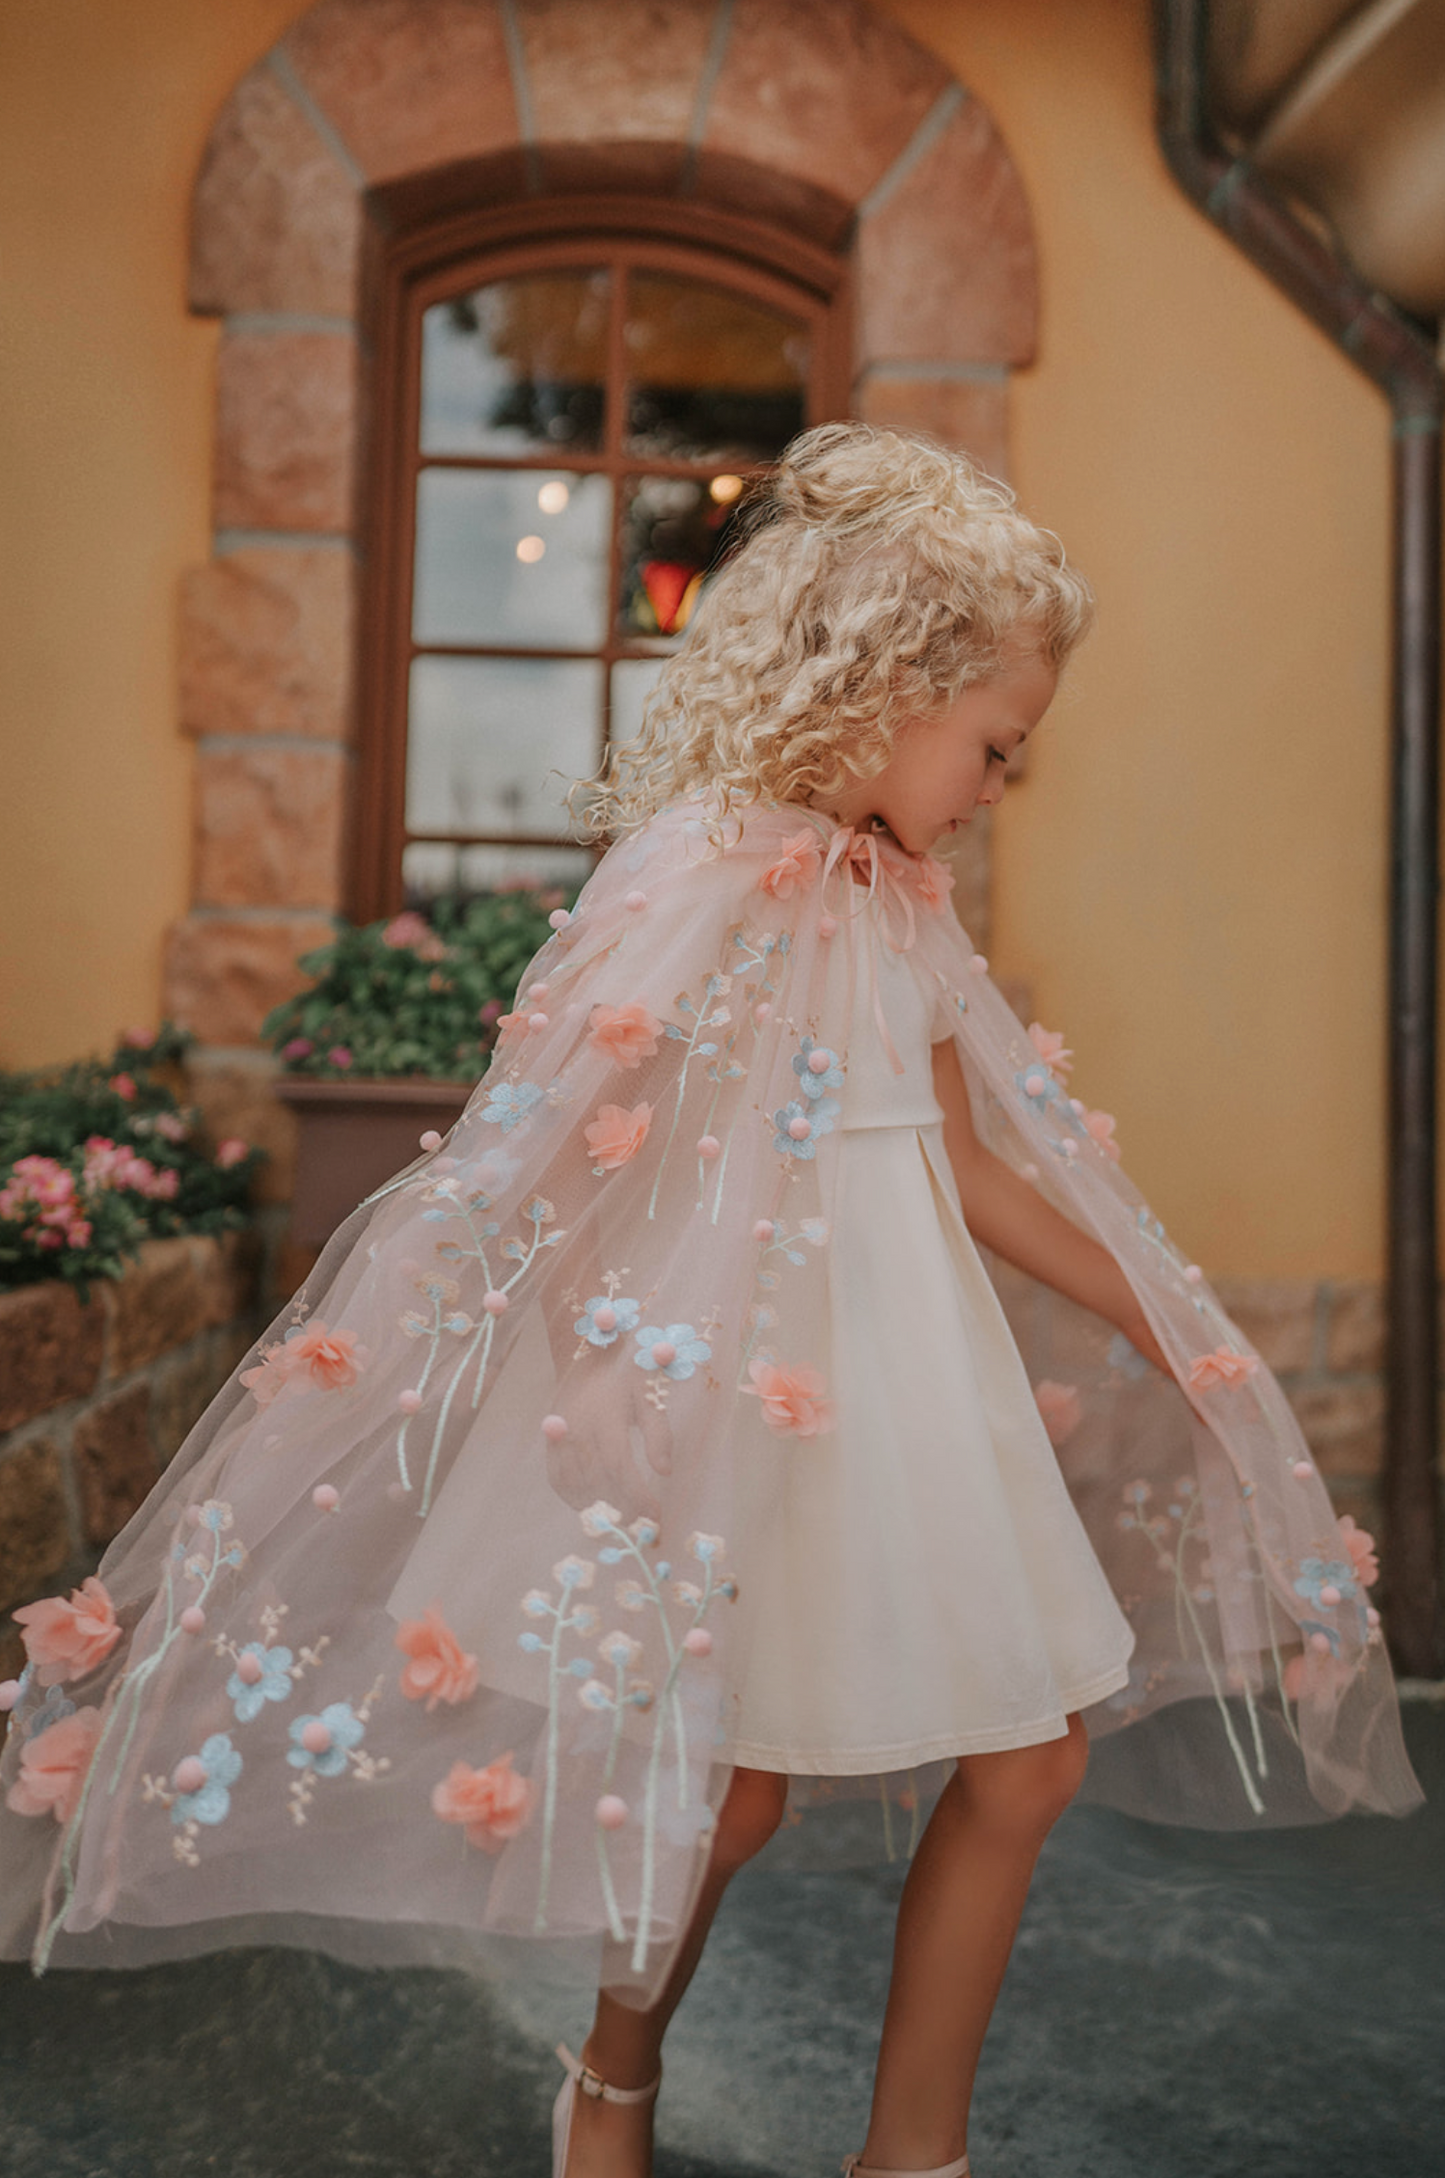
(817,115)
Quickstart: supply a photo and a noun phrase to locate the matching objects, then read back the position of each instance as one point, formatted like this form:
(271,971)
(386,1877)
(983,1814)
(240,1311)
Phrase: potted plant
(392,1036)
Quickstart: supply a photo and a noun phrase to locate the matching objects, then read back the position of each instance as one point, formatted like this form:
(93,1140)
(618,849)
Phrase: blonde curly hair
(880,575)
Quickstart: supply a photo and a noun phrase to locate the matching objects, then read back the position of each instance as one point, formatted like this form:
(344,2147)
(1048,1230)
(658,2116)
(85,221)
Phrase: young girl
(661,1437)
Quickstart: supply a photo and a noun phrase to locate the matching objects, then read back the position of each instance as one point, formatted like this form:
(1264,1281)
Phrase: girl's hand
(1136,1330)
(616,1441)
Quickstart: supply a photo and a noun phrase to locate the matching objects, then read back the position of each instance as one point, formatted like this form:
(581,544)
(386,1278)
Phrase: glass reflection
(430,868)
(673,531)
(511,556)
(496,742)
(633,680)
(714,376)
(516,366)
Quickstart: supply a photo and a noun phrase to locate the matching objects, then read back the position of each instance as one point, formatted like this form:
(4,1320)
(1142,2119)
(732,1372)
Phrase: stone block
(50,1349)
(946,269)
(1355,1337)
(235,1098)
(265,643)
(628,70)
(35,1538)
(1344,1425)
(1277,1316)
(408,84)
(971,414)
(182,1386)
(228,1269)
(275,221)
(223,976)
(286,421)
(159,1303)
(115,1461)
(269,826)
(828,90)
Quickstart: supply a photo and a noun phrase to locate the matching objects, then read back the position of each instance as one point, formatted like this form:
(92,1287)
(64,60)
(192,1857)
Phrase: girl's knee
(749,1815)
(1028,1788)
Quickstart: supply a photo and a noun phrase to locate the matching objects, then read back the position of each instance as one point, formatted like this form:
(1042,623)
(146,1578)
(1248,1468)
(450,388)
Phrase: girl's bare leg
(612,2140)
(957,1920)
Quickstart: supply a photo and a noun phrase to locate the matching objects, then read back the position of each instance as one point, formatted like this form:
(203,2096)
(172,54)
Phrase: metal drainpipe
(1399,356)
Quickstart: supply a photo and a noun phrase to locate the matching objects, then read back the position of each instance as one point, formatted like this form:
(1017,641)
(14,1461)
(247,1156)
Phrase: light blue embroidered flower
(618,1315)
(344,1729)
(51,1710)
(1037,1086)
(250,1695)
(799,1126)
(676,1350)
(1318,1574)
(510,1102)
(211,1802)
(814,1081)
(1126,1359)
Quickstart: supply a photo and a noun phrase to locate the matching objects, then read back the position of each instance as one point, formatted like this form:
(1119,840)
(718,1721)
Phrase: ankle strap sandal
(582,2080)
(853,2168)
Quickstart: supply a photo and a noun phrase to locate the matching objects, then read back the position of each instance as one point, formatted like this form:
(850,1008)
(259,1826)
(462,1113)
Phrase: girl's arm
(1004,1213)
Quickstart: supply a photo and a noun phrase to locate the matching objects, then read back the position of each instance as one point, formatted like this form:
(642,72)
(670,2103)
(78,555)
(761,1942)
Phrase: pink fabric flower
(440,1670)
(933,881)
(1361,1546)
(614,1137)
(628,1034)
(231,1151)
(1061,1408)
(1051,1048)
(1100,1125)
(798,864)
(66,1639)
(795,1401)
(493,1804)
(331,1360)
(53,1766)
(1220,1367)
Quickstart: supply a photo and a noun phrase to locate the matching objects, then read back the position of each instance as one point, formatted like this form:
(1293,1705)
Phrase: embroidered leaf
(671,1029)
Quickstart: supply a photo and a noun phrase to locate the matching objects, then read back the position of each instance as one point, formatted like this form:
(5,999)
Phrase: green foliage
(97,1156)
(414,995)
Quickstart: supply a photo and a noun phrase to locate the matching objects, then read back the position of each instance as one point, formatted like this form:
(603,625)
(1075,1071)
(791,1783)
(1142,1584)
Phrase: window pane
(516,366)
(673,529)
(429,867)
(489,735)
(633,680)
(714,376)
(512,556)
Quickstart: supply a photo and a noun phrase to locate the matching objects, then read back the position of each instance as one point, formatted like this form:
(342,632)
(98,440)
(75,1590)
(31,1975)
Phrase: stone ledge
(50,1349)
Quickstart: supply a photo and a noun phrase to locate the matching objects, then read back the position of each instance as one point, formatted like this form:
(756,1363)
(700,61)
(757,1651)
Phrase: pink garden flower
(1061,1408)
(139,1039)
(797,864)
(338,1056)
(1221,1367)
(628,1034)
(413,931)
(231,1152)
(614,1137)
(491,1012)
(1051,1048)
(1361,1546)
(53,1766)
(110,1164)
(64,1639)
(300,1047)
(795,1401)
(439,1670)
(493,1804)
(123,1086)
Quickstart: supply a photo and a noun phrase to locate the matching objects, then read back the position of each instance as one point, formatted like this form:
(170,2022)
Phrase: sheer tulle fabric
(429,1644)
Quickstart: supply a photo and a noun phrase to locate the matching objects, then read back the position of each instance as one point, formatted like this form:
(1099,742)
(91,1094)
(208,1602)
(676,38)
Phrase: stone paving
(1180,2005)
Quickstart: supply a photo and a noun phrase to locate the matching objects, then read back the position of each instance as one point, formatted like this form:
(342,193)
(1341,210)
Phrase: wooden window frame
(414,263)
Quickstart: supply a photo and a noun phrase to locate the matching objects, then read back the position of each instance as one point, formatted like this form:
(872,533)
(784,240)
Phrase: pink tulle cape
(426,1646)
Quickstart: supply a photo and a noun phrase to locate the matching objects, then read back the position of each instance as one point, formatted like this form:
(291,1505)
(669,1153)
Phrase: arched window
(567,419)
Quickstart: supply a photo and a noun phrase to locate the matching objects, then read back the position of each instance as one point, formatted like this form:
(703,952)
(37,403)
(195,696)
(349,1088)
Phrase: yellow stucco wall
(1191,878)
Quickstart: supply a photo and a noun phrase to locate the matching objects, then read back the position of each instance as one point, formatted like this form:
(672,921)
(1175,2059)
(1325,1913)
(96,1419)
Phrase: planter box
(352,1136)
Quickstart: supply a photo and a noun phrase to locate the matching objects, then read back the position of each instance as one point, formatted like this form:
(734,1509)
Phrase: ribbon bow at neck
(860,854)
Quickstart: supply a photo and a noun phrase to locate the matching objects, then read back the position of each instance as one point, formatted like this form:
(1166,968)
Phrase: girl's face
(950,762)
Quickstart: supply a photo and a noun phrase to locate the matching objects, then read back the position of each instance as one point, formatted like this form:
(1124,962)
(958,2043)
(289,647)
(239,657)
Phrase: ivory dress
(927,1587)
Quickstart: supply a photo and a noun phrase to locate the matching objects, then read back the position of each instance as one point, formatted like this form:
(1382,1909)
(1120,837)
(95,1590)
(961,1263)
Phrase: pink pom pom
(1372,1616)
(538,992)
(444,1164)
(636,901)
(326,1497)
(431,1140)
(1193,1274)
(495,1303)
(611,1812)
(762,1012)
(189,1774)
(9,1695)
(193,1619)
(978,966)
(554,1427)
(537,1021)
(605,1317)
(819,1062)
(1320,1643)
(408,1401)
(315,1736)
(249,1669)
(1329,1595)
(1302,1470)
(827,924)
(764,1229)
(1034,1085)
(709,1146)
(697,1641)
(664,1353)
(1070,1149)
(800,1128)
(559,918)
(193,1515)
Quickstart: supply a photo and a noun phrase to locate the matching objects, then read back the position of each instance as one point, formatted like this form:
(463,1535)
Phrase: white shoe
(581,2078)
(852,2168)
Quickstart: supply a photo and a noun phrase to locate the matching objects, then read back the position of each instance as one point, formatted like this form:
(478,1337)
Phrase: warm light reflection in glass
(725,489)
(553,496)
(530,550)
